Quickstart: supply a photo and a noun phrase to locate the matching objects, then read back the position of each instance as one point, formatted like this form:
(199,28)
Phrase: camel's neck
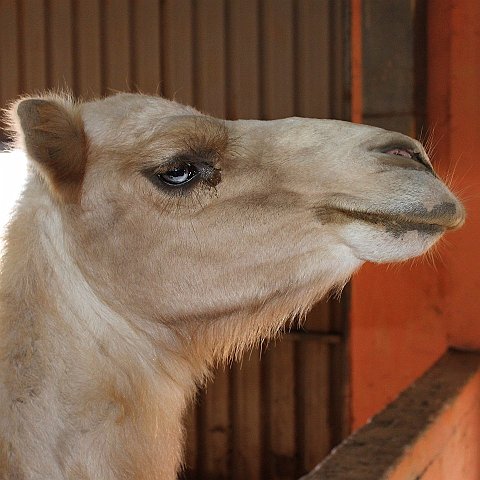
(85,391)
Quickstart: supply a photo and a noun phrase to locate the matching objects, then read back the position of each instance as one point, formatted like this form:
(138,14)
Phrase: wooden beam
(406,437)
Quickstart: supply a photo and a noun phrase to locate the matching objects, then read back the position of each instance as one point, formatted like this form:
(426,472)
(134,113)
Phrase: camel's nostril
(407,157)
(401,152)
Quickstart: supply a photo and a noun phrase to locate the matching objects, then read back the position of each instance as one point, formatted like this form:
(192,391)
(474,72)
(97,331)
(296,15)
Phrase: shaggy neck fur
(100,393)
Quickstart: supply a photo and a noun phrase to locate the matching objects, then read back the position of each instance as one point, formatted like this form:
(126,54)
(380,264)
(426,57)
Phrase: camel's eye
(179,175)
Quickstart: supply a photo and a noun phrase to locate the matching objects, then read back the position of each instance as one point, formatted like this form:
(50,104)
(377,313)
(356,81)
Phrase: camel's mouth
(444,217)
(395,224)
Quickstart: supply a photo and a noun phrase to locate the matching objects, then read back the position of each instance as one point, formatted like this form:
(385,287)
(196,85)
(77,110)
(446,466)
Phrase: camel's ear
(53,135)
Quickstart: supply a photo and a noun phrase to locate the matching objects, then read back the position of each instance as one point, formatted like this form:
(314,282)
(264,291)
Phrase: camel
(152,242)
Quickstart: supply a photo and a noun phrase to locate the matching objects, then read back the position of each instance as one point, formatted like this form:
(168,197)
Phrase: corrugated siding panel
(146,54)
(273,417)
(178,50)
(116,46)
(243,58)
(10,58)
(59,24)
(33,36)
(88,53)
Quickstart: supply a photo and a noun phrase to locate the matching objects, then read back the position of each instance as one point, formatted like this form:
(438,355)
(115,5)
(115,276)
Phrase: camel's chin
(379,245)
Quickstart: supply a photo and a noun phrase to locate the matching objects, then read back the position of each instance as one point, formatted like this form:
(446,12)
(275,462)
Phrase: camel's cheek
(378,244)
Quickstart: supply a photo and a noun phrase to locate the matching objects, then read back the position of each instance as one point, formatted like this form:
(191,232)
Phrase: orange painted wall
(403,317)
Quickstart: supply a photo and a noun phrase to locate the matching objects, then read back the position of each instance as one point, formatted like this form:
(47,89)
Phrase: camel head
(185,220)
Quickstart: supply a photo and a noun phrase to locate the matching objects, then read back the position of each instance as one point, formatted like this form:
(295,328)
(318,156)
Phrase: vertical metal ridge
(103,48)
(296,60)
(300,386)
(164,86)
(265,420)
(198,433)
(232,395)
(231,408)
(195,60)
(340,370)
(420,25)
(261,61)
(75,46)
(161,48)
(201,447)
(21,47)
(132,74)
(228,72)
(48,43)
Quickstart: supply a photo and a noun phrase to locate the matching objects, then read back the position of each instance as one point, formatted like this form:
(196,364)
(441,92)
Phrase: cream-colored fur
(117,295)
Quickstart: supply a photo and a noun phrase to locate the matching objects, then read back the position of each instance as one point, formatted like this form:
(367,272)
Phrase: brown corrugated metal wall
(273,418)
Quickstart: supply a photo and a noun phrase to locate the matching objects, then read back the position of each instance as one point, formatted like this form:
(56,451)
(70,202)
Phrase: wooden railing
(430,432)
